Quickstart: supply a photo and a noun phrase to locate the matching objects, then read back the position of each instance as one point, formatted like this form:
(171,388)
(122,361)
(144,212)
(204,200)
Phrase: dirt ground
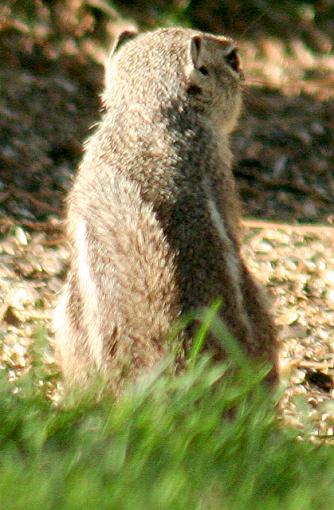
(283,162)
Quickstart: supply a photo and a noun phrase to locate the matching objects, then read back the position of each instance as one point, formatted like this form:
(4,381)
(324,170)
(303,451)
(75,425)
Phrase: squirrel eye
(203,70)
(232,59)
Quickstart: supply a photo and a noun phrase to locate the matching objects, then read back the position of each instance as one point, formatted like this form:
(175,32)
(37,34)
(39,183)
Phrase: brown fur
(153,217)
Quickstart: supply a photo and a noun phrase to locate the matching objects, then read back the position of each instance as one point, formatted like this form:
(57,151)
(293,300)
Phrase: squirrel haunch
(153,216)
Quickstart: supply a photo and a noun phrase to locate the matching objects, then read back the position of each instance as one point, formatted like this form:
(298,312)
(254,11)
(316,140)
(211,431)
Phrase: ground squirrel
(153,216)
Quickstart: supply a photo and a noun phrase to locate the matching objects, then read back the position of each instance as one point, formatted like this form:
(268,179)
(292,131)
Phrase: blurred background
(51,75)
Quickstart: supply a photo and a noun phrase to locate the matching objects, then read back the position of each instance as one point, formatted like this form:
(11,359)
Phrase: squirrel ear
(195,50)
(122,38)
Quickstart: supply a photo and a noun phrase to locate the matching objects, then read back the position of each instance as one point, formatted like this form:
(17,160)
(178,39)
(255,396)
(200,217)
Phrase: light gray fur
(153,216)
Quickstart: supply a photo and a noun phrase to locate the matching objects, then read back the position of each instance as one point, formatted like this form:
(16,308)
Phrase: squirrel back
(153,216)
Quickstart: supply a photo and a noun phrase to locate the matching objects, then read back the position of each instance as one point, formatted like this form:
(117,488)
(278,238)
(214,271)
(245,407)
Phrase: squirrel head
(214,78)
(177,66)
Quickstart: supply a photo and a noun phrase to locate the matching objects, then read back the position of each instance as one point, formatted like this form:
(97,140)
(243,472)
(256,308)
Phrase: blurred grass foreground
(205,439)
(169,444)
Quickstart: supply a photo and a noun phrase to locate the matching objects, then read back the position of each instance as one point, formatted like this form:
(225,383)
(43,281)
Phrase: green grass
(169,443)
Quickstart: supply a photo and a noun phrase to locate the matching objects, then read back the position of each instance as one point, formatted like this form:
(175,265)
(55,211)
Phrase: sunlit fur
(153,216)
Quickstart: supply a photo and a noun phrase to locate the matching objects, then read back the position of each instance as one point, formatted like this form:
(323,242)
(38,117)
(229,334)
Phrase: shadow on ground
(49,100)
